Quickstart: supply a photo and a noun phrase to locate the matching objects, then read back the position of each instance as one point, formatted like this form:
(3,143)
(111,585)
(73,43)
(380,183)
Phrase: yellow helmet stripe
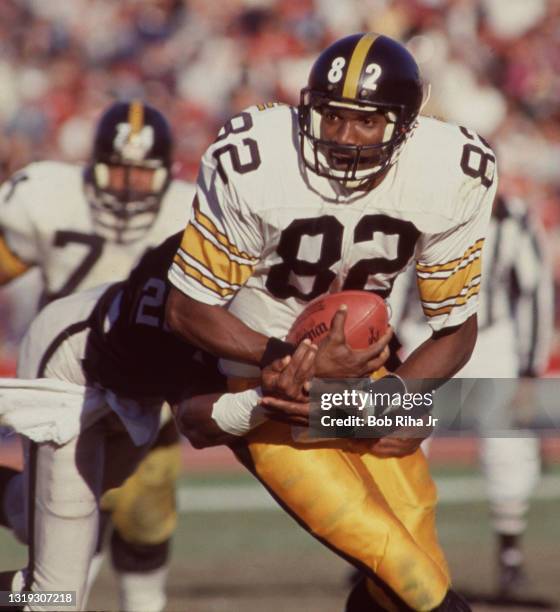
(356,63)
(136,116)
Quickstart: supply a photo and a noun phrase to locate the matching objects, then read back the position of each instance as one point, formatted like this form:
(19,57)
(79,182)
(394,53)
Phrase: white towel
(48,410)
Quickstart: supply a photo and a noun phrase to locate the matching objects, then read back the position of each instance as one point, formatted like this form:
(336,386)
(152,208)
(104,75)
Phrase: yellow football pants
(377,513)
(143,508)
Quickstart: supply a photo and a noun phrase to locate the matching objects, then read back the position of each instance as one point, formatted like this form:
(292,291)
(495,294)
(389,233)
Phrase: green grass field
(256,559)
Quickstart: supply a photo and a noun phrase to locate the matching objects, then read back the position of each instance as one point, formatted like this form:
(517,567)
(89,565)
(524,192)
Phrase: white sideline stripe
(230,498)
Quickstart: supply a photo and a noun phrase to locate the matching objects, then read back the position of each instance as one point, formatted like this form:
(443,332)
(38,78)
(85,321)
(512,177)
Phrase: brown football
(366,320)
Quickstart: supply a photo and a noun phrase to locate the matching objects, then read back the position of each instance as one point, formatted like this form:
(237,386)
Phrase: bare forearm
(194,420)
(214,329)
(441,358)
(215,418)
(433,359)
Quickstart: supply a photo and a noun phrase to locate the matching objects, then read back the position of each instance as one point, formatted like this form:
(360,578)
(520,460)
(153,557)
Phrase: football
(366,320)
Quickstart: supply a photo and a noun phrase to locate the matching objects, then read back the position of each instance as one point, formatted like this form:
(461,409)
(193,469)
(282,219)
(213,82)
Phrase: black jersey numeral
(279,278)
(304,271)
(476,161)
(405,236)
(94,248)
(14,181)
(251,148)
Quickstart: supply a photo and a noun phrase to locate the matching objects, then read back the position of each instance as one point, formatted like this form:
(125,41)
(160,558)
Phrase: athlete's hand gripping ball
(352,331)
(285,385)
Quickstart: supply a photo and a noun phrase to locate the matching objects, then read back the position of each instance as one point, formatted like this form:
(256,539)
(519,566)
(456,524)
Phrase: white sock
(94,568)
(143,591)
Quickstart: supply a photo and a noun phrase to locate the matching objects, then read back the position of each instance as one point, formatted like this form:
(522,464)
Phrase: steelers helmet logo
(133,146)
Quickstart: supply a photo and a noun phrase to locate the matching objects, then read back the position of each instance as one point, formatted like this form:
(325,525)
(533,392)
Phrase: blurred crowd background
(493,65)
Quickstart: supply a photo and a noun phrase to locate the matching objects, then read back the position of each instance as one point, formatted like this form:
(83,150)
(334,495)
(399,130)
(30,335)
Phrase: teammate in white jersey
(82,226)
(342,193)
(515,331)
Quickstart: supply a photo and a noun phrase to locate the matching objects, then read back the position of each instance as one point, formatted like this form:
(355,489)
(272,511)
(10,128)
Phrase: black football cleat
(512,579)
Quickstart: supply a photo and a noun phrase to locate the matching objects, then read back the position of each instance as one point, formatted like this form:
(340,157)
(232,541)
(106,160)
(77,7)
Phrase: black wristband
(276,349)
(390,383)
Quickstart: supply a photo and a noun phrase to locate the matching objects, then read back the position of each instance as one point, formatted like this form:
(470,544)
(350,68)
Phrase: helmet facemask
(125,211)
(354,166)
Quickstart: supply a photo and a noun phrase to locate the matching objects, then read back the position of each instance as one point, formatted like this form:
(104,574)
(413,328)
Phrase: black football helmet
(364,72)
(129,135)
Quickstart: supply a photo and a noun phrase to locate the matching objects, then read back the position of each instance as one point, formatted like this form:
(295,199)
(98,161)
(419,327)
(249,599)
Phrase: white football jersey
(516,298)
(268,236)
(45,220)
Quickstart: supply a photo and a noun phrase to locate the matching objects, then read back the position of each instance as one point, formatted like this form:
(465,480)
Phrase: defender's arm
(216,418)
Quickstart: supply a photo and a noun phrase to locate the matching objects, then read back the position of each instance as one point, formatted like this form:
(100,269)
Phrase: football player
(342,193)
(515,323)
(110,343)
(85,226)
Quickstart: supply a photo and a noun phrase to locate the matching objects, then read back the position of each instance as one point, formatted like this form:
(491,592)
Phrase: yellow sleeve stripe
(438,312)
(443,274)
(185,260)
(460,301)
(450,265)
(10,264)
(217,262)
(200,278)
(206,234)
(450,300)
(208,224)
(437,289)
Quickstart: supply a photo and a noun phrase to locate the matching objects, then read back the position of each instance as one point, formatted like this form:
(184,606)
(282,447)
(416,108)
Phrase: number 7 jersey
(45,221)
(267,236)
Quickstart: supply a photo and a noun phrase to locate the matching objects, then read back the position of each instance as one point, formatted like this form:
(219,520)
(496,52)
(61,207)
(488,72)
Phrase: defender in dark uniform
(131,351)
(112,340)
